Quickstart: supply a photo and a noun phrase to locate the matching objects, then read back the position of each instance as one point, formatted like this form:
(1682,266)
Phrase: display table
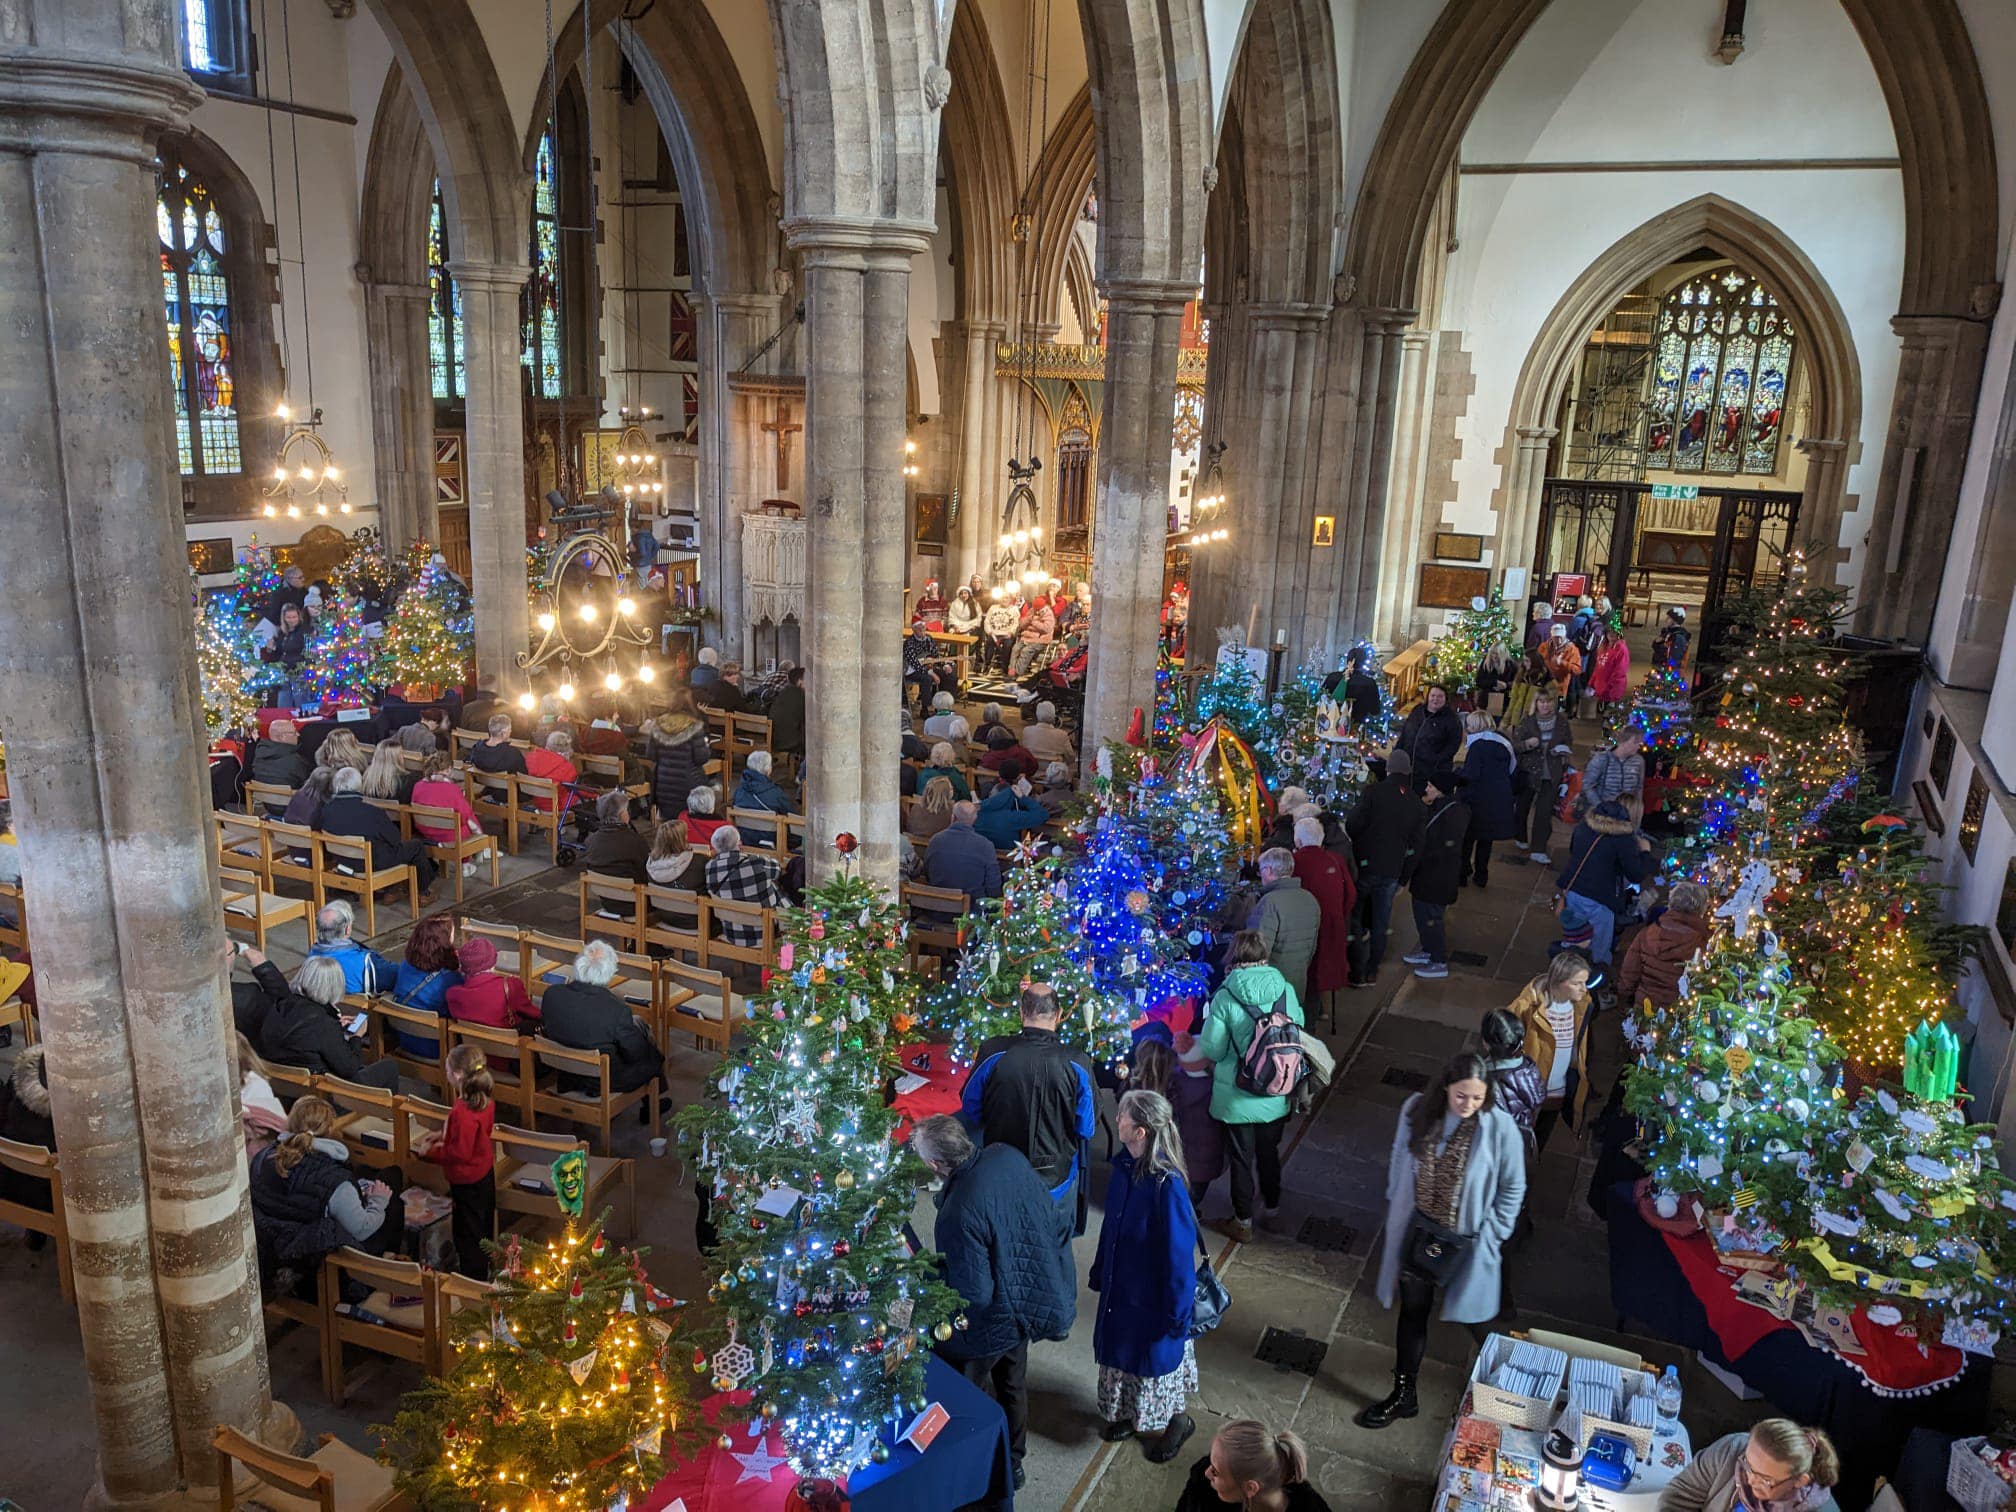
(1672,1452)
(967,1464)
(944,1082)
(1652,1287)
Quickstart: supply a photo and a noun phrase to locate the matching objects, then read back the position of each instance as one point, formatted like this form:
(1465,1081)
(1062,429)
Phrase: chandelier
(637,472)
(304,471)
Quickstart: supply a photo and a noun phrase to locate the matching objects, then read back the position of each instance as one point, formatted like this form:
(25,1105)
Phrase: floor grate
(1400,1076)
(1291,1350)
(1331,1235)
(1469,958)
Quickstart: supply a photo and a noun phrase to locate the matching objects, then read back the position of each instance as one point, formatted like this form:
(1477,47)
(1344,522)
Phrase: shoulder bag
(1561,896)
(1432,1249)
(1209,1304)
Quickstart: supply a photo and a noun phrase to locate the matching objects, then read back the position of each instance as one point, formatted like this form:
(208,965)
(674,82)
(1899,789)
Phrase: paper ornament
(579,1368)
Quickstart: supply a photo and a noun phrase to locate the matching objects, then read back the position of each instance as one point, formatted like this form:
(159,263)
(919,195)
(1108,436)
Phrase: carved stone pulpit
(773,587)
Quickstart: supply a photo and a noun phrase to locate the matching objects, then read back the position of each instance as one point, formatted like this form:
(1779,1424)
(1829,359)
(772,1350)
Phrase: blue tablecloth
(968,1464)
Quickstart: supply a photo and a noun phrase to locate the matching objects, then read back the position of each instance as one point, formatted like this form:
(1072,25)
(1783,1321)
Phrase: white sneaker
(1417,958)
(1539,858)
(468,868)
(1431,972)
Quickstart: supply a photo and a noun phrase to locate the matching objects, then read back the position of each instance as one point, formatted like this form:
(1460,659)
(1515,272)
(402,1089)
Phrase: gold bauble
(844,1180)
(942,1332)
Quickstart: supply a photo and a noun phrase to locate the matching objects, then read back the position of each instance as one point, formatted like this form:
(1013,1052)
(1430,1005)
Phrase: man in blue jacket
(364,970)
(996,1234)
(960,857)
(1011,811)
(1030,1091)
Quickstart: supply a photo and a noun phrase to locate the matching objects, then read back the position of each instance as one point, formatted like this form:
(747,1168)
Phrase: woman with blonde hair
(1252,1466)
(1777,1466)
(306,1201)
(673,862)
(1146,1277)
(340,749)
(383,776)
(932,811)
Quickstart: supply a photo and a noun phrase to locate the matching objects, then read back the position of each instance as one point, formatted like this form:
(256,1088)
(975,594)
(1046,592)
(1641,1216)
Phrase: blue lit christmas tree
(341,656)
(227,659)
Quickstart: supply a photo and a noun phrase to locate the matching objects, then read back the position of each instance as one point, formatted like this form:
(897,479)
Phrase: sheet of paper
(905,1085)
(778,1203)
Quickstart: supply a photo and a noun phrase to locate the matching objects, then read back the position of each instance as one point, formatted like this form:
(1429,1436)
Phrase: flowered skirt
(1147,1401)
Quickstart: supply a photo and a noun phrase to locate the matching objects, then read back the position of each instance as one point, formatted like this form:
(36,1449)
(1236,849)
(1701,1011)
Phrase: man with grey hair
(741,876)
(756,788)
(997,1236)
(1044,740)
(1288,917)
(364,970)
(1034,1092)
(349,814)
(961,858)
(585,1013)
(496,753)
(1059,790)
(305,1027)
(277,757)
(616,849)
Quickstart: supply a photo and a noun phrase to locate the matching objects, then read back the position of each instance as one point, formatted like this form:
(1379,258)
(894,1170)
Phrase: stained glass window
(196,293)
(199,45)
(539,313)
(445,354)
(216,45)
(1720,373)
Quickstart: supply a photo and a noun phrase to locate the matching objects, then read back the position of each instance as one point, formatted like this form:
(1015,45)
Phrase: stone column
(1991,568)
(1144,326)
(1526,482)
(494,449)
(730,327)
(857,291)
(1407,487)
(1821,504)
(106,766)
(402,410)
(979,480)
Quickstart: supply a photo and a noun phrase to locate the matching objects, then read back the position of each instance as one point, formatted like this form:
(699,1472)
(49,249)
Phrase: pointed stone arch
(1055,197)
(981,176)
(1762,249)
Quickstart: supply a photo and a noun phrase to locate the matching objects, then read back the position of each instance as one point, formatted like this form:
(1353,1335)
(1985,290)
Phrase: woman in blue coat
(1488,766)
(1146,1278)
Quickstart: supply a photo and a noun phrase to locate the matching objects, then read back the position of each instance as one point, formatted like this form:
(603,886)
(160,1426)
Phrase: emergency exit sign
(1676,491)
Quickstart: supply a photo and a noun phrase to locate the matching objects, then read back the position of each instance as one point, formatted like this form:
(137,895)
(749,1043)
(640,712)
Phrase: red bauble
(845,843)
(842,1248)
(801,1309)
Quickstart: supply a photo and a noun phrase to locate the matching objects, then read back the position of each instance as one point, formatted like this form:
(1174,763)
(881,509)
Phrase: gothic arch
(1055,197)
(398,189)
(979,159)
(1762,249)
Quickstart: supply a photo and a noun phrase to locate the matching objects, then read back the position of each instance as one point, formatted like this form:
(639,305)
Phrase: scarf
(1438,1176)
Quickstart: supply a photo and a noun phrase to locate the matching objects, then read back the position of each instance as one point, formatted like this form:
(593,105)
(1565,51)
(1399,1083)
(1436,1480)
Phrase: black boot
(1400,1404)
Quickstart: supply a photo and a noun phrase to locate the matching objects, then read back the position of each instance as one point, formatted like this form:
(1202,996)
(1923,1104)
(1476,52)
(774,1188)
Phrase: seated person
(756,789)
(1044,740)
(673,862)
(307,1028)
(699,816)
(990,725)
(496,753)
(961,858)
(553,762)
(584,1014)
(1014,751)
(741,876)
(1059,791)
(483,996)
(364,970)
(615,849)
(438,788)
(24,1118)
(1010,811)
(307,1201)
(385,777)
(277,757)
(944,763)
(347,814)
(944,724)
(249,1000)
(706,669)
(931,812)
(725,692)
(305,807)
(425,976)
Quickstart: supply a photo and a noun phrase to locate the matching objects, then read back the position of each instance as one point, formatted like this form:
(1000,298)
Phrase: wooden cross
(783,430)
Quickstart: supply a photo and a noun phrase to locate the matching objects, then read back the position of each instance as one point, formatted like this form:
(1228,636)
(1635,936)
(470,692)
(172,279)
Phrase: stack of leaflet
(1529,1370)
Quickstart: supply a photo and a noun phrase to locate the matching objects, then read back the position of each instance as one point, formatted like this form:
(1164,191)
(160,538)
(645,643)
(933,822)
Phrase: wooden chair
(366,1119)
(335,1478)
(13,1011)
(40,1163)
(551,956)
(261,910)
(525,1185)
(451,854)
(612,907)
(509,940)
(460,741)
(609,767)
(599,1109)
(749,732)
(365,878)
(672,919)
(761,829)
(456,1293)
(494,795)
(244,851)
(267,800)
(539,808)
(937,917)
(398,811)
(12,906)
(416,1117)
(390,1020)
(289,1082)
(716,947)
(697,1001)
(283,842)
(408,1331)
(510,1058)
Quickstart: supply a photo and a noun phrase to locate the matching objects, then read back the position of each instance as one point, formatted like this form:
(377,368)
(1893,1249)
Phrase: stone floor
(1387,1042)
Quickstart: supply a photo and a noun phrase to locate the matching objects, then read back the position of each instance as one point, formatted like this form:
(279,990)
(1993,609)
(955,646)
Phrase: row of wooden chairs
(254,854)
(515,801)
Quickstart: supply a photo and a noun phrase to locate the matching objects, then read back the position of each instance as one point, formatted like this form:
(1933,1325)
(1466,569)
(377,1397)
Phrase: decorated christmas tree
(1030,935)
(1476,632)
(1733,1084)
(1142,912)
(227,660)
(341,655)
(1375,732)
(1231,691)
(258,576)
(1662,707)
(432,632)
(563,1397)
(829,1315)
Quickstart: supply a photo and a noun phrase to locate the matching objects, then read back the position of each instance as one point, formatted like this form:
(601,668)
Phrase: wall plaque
(1458,547)
(1445,587)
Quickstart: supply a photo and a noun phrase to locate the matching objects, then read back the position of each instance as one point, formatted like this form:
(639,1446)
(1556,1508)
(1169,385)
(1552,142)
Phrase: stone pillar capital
(1386,320)
(851,241)
(54,101)
(989,331)
(390,289)
(1150,296)
(1938,332)
(507,277)
(1285,315)
(1821,451)
(1536,435)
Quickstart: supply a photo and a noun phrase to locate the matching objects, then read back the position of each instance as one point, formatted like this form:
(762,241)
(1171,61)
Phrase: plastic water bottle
(1667,1398)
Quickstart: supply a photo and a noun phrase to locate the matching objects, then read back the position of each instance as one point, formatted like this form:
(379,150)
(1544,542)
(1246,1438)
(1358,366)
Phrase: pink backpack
(1273,1064)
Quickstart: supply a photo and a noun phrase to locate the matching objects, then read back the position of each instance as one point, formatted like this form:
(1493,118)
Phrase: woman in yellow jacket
(1555,1008)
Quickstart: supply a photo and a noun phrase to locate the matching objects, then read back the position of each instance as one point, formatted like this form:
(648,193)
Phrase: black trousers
(1005,1377)
(1534,808)
(1251,1147)
(1477,855)
(473,1221)
(1416,1298)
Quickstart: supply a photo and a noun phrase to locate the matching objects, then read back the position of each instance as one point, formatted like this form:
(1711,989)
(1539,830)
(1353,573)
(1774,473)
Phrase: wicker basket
(1637,1383)
(1970,1482)
(1508,1407)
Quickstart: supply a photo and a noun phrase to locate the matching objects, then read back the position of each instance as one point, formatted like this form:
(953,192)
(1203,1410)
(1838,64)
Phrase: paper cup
(658,1146)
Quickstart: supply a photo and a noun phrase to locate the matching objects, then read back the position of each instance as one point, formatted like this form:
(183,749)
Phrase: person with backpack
(1252,1039)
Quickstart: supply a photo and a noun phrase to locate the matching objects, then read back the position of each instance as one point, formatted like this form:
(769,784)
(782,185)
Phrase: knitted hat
(1558,630)
(476,955)
(1399,764)
(1443,780)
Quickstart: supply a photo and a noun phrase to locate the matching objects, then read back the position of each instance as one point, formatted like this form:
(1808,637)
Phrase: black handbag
(1433,1250)
(1207,1309)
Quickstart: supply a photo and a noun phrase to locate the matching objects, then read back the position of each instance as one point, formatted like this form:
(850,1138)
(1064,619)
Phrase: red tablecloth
(1895,1361)
(944,1079)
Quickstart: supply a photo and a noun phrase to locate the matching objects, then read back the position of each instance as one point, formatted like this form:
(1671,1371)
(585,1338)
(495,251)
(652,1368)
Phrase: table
(1809,1385)
(1672,1452)
(966,1465)
(945,1083)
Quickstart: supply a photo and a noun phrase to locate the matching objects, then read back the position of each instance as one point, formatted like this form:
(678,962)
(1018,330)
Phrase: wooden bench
(351,869)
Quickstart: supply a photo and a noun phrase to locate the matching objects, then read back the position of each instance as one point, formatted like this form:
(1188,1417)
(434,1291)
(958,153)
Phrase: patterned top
(1438,1174)
(744,876)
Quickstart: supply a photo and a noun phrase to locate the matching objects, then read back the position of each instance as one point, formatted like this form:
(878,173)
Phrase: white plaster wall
(514,32)
(369,55)
(745,30)
(321,297)
(931,303)
(1384,37)
(1009,24)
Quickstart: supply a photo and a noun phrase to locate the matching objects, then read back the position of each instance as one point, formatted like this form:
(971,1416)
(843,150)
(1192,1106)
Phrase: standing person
(1554,1009)
(1610,673)
(1669,646)
(1542,740)
(1032,1091)
(1519,1087)
(1618,774)
(290,651)
(1539,623)
(996,1229)
(1777,1466)
(1438,874)
(1659,953)
(1605,855)
(1488,766)
(463,1150)
(787,716)
(1156,1069)
(1564,664)
(1328,880)
(1252,1119)
(1454,1185)
(1252,1467)
(1146,1278)
(1288,917)
(1385,831)
(1433,733)
(679,754)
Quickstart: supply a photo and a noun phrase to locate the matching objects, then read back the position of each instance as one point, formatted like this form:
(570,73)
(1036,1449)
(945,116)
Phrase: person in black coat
(25,1119)
(277,758)
(616,849)
(1437,873)
(585,1015)
(1034,1092)
(679,757)
(1385,830)
(348,814)
(1490,767)
(787,716)
(1433,733)
(999,1242)
(1606,855)
(251,1000)
(305,1028)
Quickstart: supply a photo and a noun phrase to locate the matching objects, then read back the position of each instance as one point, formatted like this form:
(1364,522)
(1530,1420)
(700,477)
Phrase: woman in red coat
(484,996)
(1326,879)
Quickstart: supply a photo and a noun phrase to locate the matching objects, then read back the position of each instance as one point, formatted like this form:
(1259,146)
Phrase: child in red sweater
(464,1153)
